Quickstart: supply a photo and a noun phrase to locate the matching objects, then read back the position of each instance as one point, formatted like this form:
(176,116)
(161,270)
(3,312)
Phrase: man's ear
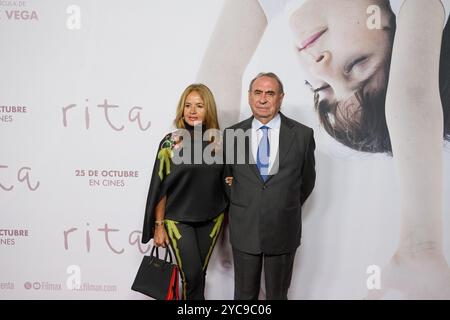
(281,99)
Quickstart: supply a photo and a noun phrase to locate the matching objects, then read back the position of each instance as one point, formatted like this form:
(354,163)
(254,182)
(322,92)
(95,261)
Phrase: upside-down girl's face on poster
(338,51)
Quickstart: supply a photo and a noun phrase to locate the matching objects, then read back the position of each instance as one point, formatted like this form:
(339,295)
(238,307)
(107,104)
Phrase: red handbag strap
(173,293)
(177,294)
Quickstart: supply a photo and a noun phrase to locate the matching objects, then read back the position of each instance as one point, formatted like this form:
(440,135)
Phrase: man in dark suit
(271,160)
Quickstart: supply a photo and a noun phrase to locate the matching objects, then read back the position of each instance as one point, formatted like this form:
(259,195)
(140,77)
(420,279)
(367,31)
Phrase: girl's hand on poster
(414,276)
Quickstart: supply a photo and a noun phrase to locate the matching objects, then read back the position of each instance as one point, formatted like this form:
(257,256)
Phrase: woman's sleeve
(157,189)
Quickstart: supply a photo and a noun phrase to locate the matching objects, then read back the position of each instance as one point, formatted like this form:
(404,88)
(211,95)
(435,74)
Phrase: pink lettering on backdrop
(1,185)
(107,106)
(87,117)
(70,106)
(134,115)
(138,118)
(21,15)
(134,238)
(66,237)
(27,178)
(88,239)
(107,230)
(22,175)
(137,241)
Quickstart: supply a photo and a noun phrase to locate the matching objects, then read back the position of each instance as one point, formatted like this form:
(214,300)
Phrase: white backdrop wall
(82,107)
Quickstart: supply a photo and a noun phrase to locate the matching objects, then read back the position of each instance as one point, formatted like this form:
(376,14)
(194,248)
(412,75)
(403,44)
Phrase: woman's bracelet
(159,223)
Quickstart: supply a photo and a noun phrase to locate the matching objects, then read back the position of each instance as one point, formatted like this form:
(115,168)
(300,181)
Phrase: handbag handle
(168,253)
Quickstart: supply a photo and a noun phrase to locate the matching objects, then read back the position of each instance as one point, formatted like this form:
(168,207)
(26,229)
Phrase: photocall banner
(89,89)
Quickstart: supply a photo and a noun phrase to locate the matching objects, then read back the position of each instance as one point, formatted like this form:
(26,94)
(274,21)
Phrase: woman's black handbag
(157,278)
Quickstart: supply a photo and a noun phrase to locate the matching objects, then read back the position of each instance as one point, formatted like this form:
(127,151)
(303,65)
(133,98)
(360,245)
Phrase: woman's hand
(229,181)
(160,239)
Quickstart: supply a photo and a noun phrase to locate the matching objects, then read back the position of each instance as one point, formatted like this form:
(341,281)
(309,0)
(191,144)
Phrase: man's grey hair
(270,75)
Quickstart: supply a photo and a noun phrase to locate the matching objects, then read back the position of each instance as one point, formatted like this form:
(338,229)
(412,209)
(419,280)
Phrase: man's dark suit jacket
(265,217)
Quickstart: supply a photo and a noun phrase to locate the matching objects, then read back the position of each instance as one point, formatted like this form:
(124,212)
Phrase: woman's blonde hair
(210,121)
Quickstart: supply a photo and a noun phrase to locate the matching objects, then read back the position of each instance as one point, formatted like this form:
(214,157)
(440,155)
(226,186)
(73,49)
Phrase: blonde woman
(186,202)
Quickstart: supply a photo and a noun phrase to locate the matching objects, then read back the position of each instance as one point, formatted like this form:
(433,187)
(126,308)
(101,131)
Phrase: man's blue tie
(262,158)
